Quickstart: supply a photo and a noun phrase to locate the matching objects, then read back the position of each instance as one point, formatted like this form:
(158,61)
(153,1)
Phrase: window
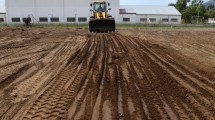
(100,7)
(23,19)
(1,19)
(82,19)
(165,20)
(143,19)
(55,19)
(43,19)
(15,19)
(71,19)
(174,20)
(152,19)
(126,19)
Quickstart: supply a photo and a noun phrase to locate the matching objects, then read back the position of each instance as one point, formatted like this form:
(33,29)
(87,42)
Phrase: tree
(171,4)
(210,11)
(181,5)
(195,10)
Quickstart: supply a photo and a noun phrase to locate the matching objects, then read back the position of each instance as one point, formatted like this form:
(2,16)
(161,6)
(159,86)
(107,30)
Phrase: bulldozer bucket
(102,25)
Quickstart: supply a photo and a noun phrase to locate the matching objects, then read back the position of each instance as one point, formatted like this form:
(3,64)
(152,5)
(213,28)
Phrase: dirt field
(137,74)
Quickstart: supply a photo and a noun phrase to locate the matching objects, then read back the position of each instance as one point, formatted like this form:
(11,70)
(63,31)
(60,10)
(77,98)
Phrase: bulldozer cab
(100,6)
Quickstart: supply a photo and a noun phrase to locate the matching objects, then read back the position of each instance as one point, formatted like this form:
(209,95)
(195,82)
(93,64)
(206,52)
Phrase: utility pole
(198,12)
(5,18)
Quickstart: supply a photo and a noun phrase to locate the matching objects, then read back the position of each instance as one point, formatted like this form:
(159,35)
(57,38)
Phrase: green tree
(171,4)
(181,5)
(195,10)
(210,11)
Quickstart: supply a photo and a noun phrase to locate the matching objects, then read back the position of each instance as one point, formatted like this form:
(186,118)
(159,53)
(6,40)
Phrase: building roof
(127,11)
(149,9)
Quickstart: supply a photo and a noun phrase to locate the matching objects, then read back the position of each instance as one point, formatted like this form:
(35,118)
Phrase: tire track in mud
(201,48)
(186,76)
(13,68)
(169,111)
(206,85)
(63,89)
(41,74)
(111,76)
(147,89)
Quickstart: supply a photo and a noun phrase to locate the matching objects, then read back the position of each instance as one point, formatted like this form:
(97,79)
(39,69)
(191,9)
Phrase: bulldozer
(101,21)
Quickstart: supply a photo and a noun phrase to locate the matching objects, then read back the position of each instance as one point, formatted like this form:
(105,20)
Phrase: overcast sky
(127,2)
(1,5)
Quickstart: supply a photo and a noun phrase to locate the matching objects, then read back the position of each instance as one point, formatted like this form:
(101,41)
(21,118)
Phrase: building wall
(2,17)
(63,9)
(158,19)
(211,20)
(132,18)
(54,8)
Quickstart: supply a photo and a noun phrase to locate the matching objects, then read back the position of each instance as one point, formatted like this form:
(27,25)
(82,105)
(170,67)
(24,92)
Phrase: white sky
(125,2)
(2,5)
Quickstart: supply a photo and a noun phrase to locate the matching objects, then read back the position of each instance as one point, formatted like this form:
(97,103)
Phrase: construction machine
(101,21)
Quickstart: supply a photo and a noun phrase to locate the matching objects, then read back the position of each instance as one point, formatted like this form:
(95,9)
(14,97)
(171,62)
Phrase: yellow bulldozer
(101,21)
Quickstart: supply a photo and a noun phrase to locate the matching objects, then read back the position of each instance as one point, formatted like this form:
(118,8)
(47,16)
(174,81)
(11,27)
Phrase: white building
(62,11)
(2,16)
(149,14)
(78,11)
(211,20)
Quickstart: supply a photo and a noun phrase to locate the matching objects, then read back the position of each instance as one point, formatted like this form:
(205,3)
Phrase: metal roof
(127,11)
(149,9)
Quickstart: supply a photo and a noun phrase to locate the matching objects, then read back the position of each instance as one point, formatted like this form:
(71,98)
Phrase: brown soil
(128,75)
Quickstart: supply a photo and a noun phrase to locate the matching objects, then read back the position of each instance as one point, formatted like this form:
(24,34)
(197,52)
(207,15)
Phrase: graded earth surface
(132,74)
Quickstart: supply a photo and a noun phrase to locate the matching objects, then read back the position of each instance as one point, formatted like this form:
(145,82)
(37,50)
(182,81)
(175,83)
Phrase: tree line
(194,11)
